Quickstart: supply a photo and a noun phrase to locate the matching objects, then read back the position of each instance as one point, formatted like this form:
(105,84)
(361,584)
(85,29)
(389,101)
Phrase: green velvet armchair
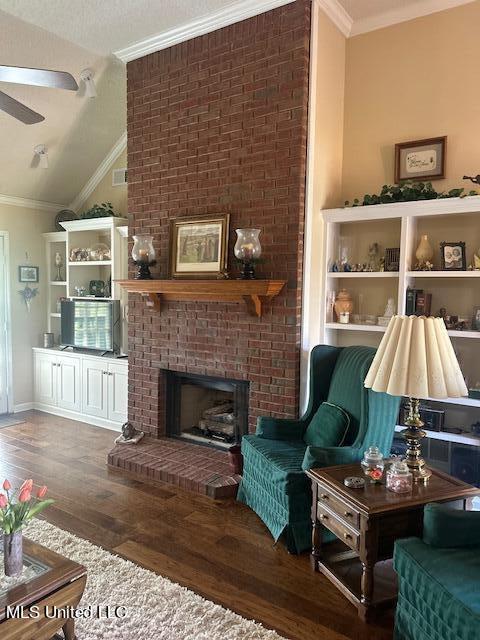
(274,484)
(439,578)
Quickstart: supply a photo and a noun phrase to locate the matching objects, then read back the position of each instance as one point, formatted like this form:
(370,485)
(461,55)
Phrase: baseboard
(79,417)
(24,406)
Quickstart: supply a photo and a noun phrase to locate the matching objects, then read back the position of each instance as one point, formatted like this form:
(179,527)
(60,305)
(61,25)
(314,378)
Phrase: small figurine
(335,267)
(128,430)
(347,267)
(475,180)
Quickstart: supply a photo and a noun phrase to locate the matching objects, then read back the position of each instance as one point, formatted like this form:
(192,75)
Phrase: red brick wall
(219,124)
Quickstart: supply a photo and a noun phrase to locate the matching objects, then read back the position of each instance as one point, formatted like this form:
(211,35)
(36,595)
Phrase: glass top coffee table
(48,581)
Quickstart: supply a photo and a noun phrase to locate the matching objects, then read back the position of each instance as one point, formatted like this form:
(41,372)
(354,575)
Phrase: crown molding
(337,14)
(223,18)
(100,172)
(403,14)
(27,203)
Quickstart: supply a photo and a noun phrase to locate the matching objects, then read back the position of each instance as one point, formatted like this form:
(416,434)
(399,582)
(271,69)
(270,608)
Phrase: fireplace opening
(206,410)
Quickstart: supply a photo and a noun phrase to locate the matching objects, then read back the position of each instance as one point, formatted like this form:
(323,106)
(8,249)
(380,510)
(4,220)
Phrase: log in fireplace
(206,410)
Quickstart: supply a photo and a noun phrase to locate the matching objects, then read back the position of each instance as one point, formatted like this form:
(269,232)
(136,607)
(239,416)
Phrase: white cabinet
(94,388)
(105,389)
(117,397)
(88,388)
(57,381)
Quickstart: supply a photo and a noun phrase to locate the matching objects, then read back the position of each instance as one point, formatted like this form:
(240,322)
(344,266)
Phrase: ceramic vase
(343,303)
(424,251)
(13,553)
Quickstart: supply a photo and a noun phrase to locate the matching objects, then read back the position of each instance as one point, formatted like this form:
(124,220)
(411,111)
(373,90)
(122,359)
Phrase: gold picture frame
(199,246)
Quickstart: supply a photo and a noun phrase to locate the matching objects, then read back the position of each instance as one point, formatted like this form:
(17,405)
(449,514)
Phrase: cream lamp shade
(416,359)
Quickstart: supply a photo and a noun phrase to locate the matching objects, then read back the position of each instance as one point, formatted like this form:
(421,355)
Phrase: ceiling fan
(37,78)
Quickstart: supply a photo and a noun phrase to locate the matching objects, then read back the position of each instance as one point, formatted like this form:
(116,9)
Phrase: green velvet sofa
(274,484)
(439,578)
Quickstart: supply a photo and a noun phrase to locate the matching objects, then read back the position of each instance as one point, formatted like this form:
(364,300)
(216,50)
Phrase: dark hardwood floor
(219,549)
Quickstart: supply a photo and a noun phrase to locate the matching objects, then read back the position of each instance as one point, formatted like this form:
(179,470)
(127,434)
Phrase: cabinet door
(46,378)
(118,392)
(68,383)
(95,387)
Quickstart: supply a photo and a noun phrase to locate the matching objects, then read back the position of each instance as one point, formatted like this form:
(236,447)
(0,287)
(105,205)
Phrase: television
(91,324)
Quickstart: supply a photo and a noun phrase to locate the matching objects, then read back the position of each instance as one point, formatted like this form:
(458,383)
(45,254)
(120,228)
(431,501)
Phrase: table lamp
(416,359)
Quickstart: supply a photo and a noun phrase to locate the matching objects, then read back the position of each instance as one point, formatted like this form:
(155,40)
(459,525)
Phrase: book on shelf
(418,303)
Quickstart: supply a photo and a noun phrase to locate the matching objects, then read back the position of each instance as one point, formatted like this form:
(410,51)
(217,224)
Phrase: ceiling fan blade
(38,77)
(18,110)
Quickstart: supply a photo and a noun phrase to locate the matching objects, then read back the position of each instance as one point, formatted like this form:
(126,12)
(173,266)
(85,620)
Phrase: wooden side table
(367,522)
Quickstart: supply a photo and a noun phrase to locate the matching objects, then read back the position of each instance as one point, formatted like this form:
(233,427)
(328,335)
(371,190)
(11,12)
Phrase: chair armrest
(444,527)
(330,456)
(279,428)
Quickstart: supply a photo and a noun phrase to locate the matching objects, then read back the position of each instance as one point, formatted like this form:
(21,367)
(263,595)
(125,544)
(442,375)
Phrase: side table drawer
(347,535)
(338,506)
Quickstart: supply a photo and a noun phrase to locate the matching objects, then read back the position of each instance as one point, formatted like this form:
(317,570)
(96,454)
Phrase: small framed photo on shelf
(476,319)
(26,273)
(199,246)
(420,159)
(453,256)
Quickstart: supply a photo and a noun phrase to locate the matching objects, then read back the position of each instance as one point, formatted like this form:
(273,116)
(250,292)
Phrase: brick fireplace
(219,124)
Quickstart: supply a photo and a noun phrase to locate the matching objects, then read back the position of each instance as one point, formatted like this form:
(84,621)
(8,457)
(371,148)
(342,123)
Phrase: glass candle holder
(248,249)
(143,255)
(373,464)
(399,478)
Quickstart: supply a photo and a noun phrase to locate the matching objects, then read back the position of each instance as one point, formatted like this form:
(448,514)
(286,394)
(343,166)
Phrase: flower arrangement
(18,507)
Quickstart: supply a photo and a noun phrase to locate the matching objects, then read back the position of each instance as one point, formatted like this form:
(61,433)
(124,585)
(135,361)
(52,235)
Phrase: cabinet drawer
(338,506)
(345,533)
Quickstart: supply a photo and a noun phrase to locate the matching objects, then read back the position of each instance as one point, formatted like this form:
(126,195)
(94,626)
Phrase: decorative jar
(248,249)
(399,477)
(143,255)
(343,303)
(373,464)
(424,252)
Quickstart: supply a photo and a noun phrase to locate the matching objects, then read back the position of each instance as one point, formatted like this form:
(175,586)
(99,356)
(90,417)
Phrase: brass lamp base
(413,435)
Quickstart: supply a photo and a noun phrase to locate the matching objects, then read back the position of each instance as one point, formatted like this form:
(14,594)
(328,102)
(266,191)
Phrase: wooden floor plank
(219,549)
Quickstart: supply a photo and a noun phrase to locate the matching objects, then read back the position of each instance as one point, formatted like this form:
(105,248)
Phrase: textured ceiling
(77,131)
(104,26)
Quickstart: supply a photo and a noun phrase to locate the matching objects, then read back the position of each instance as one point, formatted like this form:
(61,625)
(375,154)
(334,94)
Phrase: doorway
(5,344)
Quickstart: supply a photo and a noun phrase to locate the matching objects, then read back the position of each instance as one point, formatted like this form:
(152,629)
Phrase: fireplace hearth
(206,410)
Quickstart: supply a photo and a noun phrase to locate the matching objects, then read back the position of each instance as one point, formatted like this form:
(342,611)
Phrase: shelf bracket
(254,305)
(152,300)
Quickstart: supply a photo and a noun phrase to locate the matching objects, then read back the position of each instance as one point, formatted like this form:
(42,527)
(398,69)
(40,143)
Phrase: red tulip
(42,492)
(25,495)
(6,485)
(3,501)
(28,484)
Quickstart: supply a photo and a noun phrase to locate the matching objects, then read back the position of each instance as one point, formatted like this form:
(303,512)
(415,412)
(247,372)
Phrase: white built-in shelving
(400,225)
(84,233)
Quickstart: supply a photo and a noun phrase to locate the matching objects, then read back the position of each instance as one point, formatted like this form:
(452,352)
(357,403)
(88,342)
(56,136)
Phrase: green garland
(408,192)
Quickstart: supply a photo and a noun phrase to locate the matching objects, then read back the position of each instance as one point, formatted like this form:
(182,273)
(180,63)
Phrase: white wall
(25,227)
(325,152)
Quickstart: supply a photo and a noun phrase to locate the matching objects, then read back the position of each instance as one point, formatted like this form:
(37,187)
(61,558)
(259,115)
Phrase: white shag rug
(157,609)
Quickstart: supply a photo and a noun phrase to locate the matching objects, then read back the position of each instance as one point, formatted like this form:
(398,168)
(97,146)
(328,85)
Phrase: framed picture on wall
(453,256)
(26,273)
(420,159)
(199,246)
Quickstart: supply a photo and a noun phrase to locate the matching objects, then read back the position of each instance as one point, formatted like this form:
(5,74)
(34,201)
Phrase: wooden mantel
(252,292)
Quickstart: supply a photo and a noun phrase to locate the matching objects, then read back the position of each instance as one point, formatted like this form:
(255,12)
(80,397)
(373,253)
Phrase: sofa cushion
(328,427)
(445,527)
(439,595)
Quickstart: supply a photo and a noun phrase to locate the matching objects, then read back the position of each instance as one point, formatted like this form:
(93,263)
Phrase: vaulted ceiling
(70,35)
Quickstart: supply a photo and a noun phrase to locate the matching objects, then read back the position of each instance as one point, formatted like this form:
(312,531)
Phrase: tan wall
(414,80)
(104,192)
(25,227)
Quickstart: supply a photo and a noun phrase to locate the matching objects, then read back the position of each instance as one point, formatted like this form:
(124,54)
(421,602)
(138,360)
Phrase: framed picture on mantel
(420,159)
(199,246)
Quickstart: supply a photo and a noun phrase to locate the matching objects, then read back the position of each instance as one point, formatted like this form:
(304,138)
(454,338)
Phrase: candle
(247,250)
(143,255)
